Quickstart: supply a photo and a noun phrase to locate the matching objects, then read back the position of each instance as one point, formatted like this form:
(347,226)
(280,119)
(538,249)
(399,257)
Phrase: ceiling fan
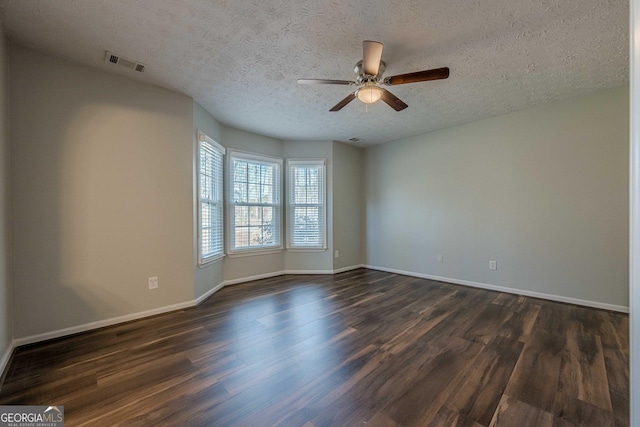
(369,78)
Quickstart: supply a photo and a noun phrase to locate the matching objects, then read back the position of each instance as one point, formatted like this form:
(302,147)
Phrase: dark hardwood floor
(358,348)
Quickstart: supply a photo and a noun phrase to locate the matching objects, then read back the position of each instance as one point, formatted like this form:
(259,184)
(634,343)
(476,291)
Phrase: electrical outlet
(493,265)
(440,258)
(337,254)
(153,282)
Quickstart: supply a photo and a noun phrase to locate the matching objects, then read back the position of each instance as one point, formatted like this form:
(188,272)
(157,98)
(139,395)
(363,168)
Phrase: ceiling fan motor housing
(362,77)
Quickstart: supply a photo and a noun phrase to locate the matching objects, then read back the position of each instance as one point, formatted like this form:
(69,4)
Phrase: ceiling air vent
(354,139)
(128,63)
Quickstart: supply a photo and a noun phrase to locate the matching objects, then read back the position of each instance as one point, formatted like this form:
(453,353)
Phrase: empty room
(346,213)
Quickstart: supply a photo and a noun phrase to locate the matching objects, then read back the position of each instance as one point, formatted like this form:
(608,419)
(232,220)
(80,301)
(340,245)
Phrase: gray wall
(210,276)
(6,303)
(348,211)
(543,191)
(102,185)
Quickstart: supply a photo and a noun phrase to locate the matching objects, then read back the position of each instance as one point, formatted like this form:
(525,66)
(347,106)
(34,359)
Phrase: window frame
(291,165)
(204,260)
(277,162)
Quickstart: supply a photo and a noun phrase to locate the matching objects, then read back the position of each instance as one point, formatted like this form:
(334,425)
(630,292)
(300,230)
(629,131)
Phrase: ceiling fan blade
(344,102)
(371,56)
(324,82)
(393,101)
(418,76)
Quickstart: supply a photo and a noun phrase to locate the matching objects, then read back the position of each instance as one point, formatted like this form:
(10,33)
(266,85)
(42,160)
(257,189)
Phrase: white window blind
(306,204)
(210,199)
(255,205)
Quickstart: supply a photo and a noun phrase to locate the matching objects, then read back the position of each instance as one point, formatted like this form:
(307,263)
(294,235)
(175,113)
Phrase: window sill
(306,249)
(240,254)
(207,262)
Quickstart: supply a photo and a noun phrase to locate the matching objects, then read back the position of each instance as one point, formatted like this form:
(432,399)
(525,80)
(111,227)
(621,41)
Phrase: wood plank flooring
(358,348)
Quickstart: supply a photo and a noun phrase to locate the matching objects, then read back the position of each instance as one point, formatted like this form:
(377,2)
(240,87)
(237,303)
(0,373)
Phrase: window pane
(240,192)
(242,236)
(266,194)
(254,173)
(239,171)
(300,196)
(254,193)
(206,240)
(205,217)
(266,174)
(306,225)
(255,215)
(313,189)
(242,215)
(267,214)
(205,187)
(267,235)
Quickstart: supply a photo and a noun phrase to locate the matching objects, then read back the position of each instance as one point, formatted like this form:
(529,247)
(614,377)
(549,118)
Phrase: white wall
(348,211)
(102,194)
(6,299)
(211,276)
(543,191)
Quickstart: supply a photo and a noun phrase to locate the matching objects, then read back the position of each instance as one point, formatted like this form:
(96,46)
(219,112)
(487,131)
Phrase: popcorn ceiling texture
(240,59)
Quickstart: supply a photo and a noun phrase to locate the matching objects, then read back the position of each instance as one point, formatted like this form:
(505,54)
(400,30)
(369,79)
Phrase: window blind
(210,199)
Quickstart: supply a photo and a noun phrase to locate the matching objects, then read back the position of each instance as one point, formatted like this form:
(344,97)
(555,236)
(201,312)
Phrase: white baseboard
(351,267)
(339,270)
(283,272)
(251,278)
(101,323)
(6,357)
(541,295)
(307,272)
(210,292)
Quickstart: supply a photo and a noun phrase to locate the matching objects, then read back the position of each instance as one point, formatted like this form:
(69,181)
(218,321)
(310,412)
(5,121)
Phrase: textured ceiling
(240,59)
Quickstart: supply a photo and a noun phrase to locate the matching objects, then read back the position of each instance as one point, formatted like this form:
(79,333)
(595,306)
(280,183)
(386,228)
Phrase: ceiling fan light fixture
(369,93)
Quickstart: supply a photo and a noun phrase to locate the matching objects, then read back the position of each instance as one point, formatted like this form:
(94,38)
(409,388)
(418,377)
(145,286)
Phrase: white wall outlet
(493,265)
(440,258)
(153,282)
(337,254)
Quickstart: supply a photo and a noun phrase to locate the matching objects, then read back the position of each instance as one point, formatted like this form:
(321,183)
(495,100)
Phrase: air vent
(354,139)
(128,63)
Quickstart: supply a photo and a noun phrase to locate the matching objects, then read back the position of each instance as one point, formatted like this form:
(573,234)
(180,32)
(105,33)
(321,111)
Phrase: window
(210,201)
(306,204)
(254,199)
